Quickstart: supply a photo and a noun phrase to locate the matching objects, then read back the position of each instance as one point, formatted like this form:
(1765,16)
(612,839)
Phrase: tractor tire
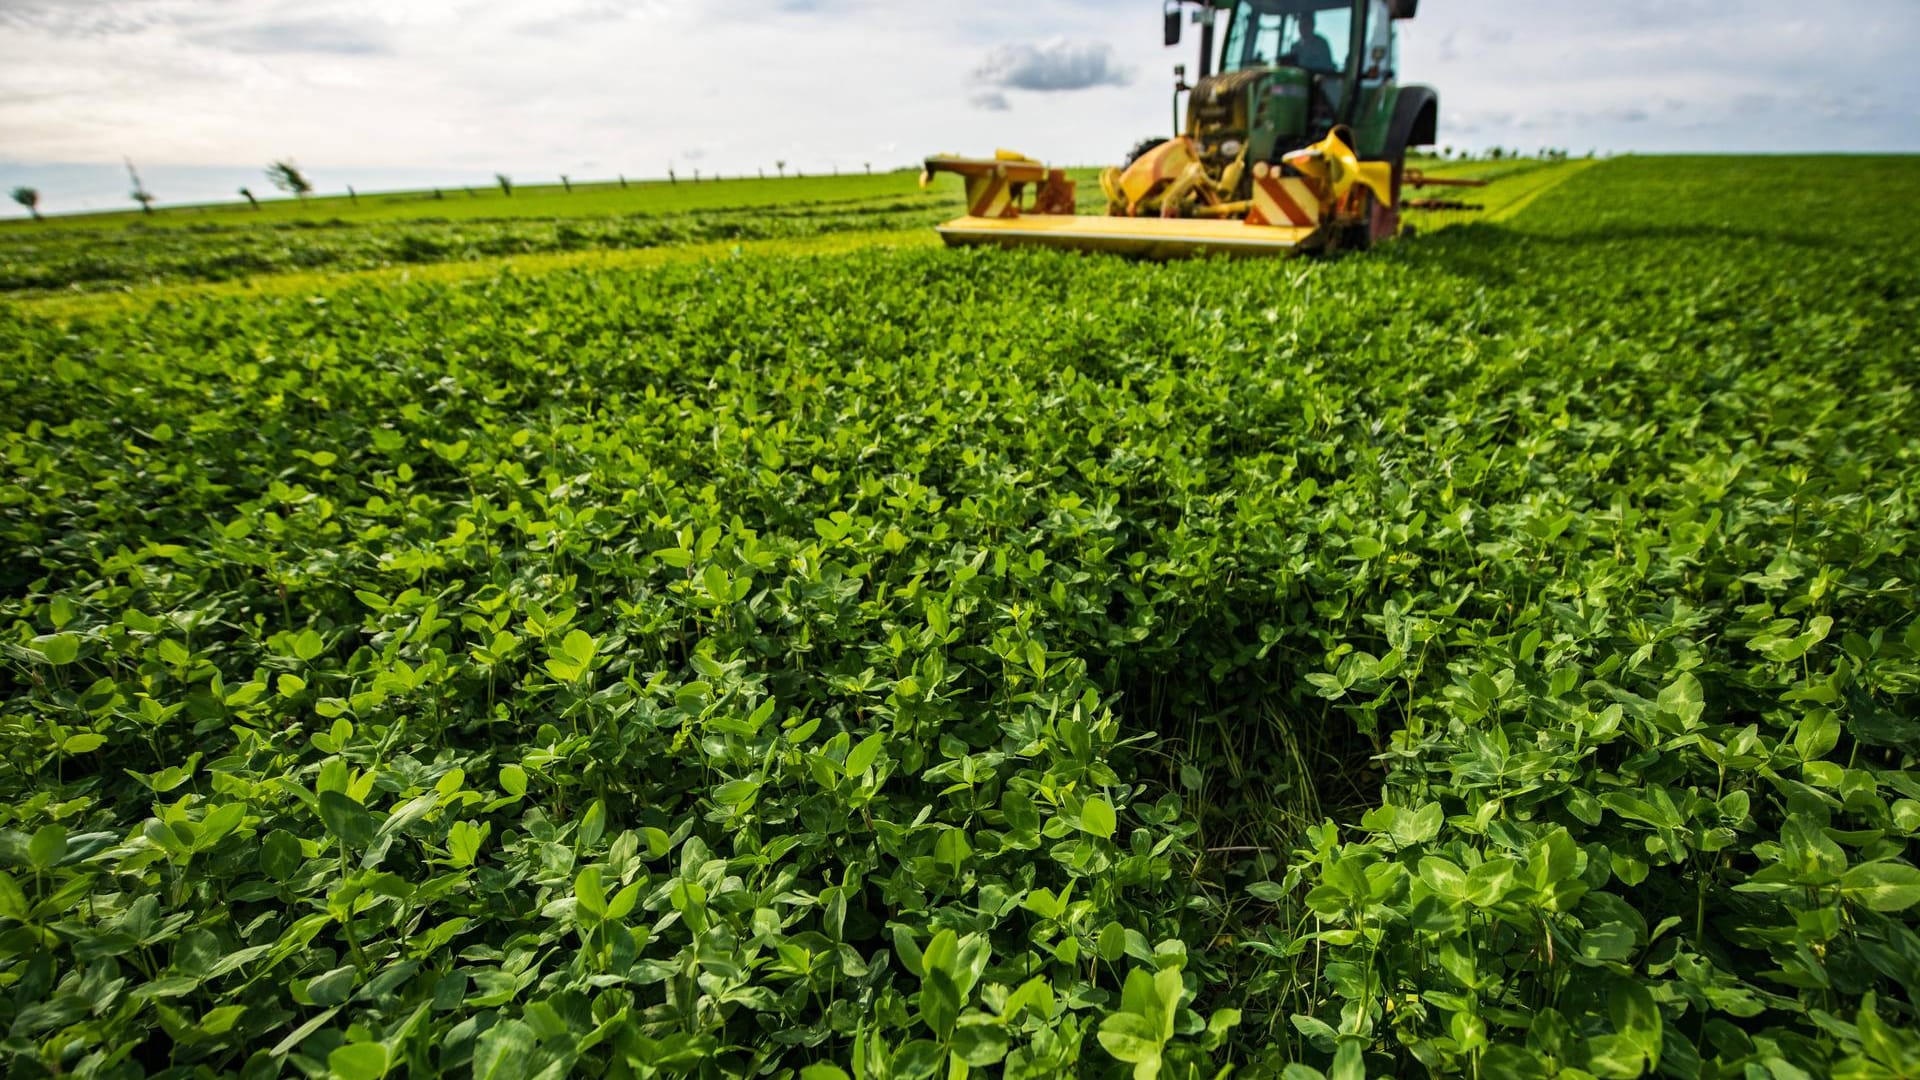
(1142,147)
(1376,228)
(1383,222)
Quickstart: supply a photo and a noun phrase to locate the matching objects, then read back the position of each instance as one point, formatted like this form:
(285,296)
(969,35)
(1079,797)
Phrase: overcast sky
(440,90)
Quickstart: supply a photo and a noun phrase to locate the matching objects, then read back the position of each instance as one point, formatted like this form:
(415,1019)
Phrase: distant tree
(1495,153)
(696,176)
(438,194)
(671,179)
(782,166)
(353,195)
(623,181)
(29,198)
(566,183)
(247,194)
(505,182)
(287,176)
(140,194)
(763,172)
(869,168)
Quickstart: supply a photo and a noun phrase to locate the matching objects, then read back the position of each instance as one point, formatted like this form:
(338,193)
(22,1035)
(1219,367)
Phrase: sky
(202,94)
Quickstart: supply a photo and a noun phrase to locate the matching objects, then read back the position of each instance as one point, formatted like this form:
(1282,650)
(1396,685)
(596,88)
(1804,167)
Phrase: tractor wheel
(1142,147)
(1358,236)
(1382,222)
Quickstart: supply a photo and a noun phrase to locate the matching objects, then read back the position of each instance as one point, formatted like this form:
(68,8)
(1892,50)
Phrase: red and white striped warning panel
(1282,200)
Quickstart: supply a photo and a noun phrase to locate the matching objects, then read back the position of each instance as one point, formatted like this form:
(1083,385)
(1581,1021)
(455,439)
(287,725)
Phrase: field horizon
(485,188)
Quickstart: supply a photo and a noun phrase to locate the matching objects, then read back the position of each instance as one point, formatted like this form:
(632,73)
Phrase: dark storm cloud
(1053,66)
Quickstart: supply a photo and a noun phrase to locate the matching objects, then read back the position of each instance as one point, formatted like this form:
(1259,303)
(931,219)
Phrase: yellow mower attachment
(1416,179)
(995,185)
(1332,166)
(1165,205)
(1171,181)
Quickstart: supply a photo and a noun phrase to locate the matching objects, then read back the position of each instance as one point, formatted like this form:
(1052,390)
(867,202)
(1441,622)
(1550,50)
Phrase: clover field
(1495,655)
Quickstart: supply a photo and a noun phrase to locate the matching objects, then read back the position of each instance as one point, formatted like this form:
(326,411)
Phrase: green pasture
(823,654)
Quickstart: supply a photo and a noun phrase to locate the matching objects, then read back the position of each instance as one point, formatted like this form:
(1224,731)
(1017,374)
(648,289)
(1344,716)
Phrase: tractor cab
(1314,36)
(1289,72)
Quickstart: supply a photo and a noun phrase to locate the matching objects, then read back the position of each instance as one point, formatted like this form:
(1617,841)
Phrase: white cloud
(474,86)
(297,35)
(1053,66)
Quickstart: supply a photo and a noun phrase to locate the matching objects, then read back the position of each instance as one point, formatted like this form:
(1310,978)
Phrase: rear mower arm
(996,185)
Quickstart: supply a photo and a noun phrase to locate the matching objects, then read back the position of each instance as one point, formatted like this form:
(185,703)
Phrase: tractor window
(1314,35)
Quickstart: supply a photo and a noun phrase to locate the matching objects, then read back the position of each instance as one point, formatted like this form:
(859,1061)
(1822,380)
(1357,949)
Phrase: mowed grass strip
(57,272)
(484,200)
(130,301)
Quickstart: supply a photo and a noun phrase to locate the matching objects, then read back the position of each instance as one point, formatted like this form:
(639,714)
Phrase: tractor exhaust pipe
(1175,11)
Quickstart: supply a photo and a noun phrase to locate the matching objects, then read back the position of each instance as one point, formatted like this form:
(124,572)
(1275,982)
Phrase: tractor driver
(1311,52)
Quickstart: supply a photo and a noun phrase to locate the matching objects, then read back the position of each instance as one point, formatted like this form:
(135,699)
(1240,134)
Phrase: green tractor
(1290,72)
(1294,139)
